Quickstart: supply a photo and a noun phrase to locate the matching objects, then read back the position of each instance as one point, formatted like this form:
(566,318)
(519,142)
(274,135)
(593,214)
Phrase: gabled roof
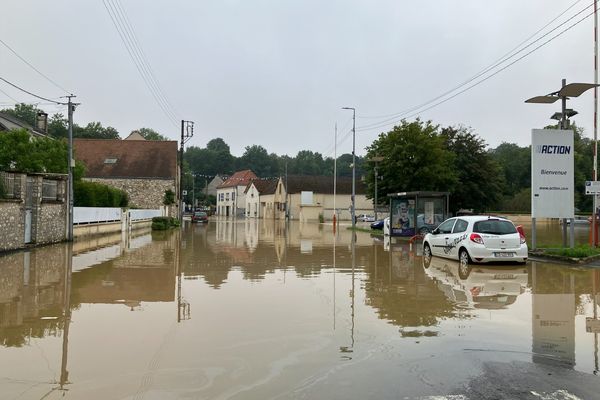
(8,122)
(112,158)
(240,178)
(322,184)
(135,135)
(264,186)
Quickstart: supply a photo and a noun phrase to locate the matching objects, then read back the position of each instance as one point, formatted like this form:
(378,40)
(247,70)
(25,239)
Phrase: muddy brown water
(258,310)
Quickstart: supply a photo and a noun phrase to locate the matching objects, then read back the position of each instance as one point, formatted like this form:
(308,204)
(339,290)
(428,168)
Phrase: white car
(476,238)
(365,218)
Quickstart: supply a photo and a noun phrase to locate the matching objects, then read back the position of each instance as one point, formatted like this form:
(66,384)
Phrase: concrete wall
(143,193)
(325,203)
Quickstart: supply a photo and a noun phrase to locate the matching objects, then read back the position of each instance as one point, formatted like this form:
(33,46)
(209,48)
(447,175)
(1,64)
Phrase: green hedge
(93,194)
(164,223)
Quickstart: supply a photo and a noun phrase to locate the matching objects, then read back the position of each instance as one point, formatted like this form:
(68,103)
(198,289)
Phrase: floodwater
(261,310)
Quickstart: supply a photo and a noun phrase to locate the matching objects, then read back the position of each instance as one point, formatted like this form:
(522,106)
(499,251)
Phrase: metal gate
(28,209)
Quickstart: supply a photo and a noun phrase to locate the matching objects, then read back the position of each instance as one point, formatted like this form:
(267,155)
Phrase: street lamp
(566,91)
(376,160)
(353,165)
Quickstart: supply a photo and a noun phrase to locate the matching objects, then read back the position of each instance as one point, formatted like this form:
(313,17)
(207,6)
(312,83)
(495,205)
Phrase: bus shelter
(414,213)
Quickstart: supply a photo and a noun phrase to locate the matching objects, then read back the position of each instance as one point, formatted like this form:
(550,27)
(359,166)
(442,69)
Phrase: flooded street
(257,310)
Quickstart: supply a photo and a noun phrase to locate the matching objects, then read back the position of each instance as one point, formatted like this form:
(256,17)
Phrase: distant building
(230,194)
(257,193)
(311,196)
(144,169)
(211,187)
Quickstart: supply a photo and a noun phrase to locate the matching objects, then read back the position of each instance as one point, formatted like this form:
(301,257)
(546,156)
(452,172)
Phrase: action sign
(552,178)
(592,187)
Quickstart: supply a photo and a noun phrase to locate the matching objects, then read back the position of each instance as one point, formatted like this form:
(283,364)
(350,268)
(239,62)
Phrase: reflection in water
(269,300)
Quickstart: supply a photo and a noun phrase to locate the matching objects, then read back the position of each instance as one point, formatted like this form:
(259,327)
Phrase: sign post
(552,177)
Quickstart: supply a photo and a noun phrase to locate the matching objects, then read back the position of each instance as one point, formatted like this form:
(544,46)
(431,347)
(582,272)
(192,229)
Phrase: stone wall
(143,193)
(12,224)
(51,223)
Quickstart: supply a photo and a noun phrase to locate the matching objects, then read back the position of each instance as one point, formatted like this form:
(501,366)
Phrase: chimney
(42,121)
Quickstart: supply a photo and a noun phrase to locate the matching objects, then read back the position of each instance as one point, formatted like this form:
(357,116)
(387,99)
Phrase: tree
(415,158)
(95,130)
(19,152)
(258,160)
(150,134)
(480,180)
(58,126)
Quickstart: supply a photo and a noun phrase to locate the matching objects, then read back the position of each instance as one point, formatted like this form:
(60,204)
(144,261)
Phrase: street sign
(592,187)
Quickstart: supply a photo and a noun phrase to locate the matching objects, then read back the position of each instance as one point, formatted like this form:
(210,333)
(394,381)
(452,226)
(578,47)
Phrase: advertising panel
(552,178)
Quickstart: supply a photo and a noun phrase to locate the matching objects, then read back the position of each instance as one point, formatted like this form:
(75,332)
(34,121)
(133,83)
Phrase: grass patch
(164,223)
(582,251)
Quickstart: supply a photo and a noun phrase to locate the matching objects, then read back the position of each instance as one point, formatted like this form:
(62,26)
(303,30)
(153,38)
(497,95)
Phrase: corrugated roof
(111,158)
(240,178)
(322,184)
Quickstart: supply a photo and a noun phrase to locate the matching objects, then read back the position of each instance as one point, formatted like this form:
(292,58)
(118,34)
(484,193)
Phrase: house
(144,169)
(257,193)
(8,123)
(309,197)
(211,187)
(230,194)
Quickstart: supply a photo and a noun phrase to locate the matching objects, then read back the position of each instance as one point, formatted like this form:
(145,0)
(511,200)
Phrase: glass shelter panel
(411,215)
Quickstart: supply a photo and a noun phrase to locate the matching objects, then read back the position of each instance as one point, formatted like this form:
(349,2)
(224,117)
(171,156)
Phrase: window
(49,190)
(306,198)
(227,196)
(110,161)
(9,185)
(232,196)
(460,226)
(494,227)
(446,227)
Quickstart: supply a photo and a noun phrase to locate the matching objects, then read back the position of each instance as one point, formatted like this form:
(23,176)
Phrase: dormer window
(110,161)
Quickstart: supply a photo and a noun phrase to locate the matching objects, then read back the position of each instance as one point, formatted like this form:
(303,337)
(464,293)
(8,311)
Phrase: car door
(458,235)
(440,236)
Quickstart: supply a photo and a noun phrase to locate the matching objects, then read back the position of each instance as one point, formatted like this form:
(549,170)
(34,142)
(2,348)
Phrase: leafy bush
(169,197)
(93,194)
(164,223)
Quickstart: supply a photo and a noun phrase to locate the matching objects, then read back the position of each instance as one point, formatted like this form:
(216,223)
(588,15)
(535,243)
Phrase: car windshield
(200,214)
(495,227)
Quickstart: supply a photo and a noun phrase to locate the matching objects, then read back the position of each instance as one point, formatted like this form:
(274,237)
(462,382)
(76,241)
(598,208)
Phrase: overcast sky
(276,73)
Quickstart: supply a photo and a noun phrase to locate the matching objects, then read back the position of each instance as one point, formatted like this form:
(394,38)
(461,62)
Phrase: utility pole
(595,171)
(376,160)
(70,166)
(353,211)
(334,180)
(187,131)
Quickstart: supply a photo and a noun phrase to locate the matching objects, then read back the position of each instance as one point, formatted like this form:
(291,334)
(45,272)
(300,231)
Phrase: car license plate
(504,255)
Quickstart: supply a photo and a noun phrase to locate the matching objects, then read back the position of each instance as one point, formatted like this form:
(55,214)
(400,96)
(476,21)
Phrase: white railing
(139,215)
(90,215)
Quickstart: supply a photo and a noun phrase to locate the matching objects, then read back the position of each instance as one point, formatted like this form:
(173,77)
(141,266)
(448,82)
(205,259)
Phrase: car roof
(475,218)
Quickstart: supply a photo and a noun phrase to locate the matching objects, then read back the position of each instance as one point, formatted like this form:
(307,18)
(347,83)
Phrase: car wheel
(426,255)
(464,269)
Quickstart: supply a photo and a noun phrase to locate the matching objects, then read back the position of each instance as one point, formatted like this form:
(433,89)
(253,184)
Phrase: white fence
(95,215)
(138,215)
(91,215)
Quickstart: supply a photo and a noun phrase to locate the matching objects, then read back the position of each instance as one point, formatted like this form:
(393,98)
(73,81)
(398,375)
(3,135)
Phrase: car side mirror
(435,231)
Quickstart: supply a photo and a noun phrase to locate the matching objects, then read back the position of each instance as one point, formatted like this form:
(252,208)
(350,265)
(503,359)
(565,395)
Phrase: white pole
(335,175)
(595,172)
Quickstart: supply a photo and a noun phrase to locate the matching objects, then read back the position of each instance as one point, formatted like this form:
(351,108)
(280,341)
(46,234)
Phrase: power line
(9,96)
(142,56)
(119,25)
(32,94)
(52,81)
(421,109)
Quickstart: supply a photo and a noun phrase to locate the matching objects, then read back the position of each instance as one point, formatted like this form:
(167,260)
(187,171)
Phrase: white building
(231,200)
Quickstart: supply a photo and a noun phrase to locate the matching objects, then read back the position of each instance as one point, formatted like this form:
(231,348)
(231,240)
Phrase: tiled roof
(264,186)
(111,158)
(240,178)
(322,184)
